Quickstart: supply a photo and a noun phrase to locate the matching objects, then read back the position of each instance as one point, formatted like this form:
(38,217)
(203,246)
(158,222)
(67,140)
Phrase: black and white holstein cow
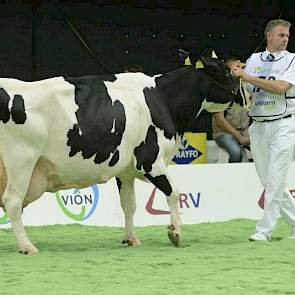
(63,133)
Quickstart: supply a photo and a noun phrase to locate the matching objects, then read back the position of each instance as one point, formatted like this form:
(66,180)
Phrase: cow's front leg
(13,197)
(13,205)
(164,183)
(128,203)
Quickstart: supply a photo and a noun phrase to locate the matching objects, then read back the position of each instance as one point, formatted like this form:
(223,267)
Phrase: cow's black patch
(74,136)
(101,122)
(4,110)
(18,113)
(119,183)
(175,100)
(160,113)
(146,153)
(161,182)
(115,159)
(177,97)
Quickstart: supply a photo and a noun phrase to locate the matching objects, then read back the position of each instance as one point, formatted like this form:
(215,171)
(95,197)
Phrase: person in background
(133,68)
(230,127)
(270,77)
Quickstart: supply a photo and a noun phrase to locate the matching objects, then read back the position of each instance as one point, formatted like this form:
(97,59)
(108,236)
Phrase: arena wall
(208,193)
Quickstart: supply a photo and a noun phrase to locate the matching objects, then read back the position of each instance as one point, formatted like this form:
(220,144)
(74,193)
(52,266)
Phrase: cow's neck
(175,101)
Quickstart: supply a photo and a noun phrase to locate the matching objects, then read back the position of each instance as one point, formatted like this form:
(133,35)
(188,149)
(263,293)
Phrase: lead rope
(90,51)
(245,97)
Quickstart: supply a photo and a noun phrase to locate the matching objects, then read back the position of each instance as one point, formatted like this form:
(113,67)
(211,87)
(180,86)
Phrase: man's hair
(273,23)
(133,68)
(231,58)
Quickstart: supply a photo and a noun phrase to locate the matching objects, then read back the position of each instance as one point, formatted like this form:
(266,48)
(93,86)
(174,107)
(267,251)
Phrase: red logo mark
(261,199)
(149,206)
(186,200)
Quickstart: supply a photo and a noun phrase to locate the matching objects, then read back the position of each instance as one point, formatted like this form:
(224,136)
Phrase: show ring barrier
(208,193)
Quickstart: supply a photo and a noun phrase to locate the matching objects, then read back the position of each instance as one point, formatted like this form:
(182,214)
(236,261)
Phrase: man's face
(278,38)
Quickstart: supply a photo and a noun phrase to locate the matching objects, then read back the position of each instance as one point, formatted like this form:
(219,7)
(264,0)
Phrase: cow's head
(219,86)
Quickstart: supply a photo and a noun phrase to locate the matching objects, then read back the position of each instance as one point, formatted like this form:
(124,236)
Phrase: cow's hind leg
(18,177)
(2,181)
(159,177)
(128,203)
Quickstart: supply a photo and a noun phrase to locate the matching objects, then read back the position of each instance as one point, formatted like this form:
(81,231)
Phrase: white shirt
(268,105)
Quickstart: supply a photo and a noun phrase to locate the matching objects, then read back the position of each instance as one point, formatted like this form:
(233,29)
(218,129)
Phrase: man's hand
(244,140)
(273,86)
(238,72)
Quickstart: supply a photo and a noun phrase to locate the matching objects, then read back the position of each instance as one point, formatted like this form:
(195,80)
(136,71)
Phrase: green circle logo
(78,204)
(4,218)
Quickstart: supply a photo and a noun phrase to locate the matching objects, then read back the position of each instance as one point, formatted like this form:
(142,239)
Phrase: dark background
(38,39)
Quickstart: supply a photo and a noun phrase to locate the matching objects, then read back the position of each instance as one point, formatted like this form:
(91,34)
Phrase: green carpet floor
(214,258)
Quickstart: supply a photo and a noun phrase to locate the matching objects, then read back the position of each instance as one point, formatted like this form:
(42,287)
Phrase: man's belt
(261,121)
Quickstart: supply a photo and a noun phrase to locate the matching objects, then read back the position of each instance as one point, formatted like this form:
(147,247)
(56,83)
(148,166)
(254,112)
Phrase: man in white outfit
(270,78)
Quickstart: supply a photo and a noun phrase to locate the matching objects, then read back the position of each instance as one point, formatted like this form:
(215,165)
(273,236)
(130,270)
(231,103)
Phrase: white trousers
(272,148)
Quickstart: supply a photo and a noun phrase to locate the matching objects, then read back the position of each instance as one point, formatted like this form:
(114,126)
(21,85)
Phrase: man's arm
(223,124)
(273,86)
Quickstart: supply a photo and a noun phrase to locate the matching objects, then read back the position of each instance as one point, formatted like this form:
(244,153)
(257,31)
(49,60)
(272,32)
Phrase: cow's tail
(3,181)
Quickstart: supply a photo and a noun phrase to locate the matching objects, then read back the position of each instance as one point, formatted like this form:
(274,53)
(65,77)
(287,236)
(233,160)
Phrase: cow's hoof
(131,242)
(173,235)
(29,250)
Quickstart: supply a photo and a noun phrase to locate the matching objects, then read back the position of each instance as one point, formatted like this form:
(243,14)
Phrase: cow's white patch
(113,128)
(138,80)
(213,107)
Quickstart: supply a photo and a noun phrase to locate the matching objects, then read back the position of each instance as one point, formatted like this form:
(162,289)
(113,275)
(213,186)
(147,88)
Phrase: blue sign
(186,156)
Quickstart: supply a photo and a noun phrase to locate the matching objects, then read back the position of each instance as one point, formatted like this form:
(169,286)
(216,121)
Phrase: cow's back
(97,125)
(86,128)
(111,119)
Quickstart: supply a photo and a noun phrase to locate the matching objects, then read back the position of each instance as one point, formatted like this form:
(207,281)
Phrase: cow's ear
(209,53)
(183,55)
(208,57)
(213,54)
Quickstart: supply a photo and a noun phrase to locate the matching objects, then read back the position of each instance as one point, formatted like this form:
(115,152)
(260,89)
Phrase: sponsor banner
(94,205)
(78,204)
(193,149)
(208,193)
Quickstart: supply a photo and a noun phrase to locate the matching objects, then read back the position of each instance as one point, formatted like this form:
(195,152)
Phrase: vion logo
(78,204)
(186,200)
(4,218)
(186,154)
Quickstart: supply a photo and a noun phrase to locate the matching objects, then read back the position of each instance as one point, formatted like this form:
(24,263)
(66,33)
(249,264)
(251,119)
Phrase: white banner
(208,193)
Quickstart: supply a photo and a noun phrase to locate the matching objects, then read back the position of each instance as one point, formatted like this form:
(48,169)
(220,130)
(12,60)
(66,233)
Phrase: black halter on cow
(74,132)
